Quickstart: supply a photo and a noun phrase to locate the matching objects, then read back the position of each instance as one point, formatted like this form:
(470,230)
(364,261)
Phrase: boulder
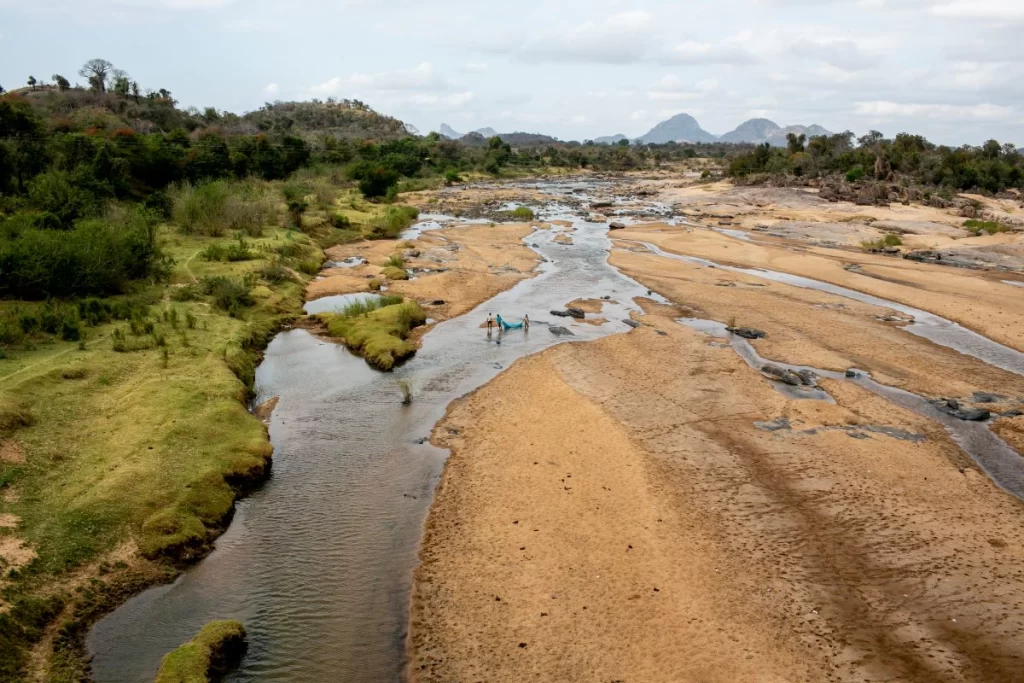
(748,332)
(808,378)
(987,397)
(632,323)
(781,374)
(972,414)
(616,225)
(561,314)
(601,205)
(561,332)
(576,312)
(829,194)
(967,211)
(596,218)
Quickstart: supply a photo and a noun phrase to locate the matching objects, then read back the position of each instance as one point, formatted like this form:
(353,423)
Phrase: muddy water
(318,562)
(928,325)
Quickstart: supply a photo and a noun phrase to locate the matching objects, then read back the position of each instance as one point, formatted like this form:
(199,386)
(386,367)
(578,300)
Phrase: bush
(233,252)
(395,261)
(855,174)
(273,271)
(523,213)
(889,240)
(340,221)
(99,256)
(215,208)
(229,294)
(393,273)
(394,220)
(379,335)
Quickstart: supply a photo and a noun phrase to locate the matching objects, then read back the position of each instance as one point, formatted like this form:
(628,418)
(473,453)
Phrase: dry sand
(626,521)
(479,261)
(611,511)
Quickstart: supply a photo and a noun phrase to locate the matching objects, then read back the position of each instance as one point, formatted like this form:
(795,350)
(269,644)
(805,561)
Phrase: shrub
(274,271)
(98,256)
(392,222)
(451,176)
(215,208)
(523,213)
(233,252)
(395,261)
(340,221)
(229,294)
(855,174)
(374,285)
(889,240)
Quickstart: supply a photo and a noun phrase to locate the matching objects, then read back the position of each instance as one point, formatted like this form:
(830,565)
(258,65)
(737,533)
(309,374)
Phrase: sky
(576,69)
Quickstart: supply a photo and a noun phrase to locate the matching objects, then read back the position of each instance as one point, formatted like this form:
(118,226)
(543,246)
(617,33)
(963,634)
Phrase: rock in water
(782,375)
(616,225)
(561,332)
(561,314)
(578,313)
(748,332)
(632,323)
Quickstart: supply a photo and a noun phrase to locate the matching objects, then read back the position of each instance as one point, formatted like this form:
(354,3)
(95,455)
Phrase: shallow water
(336,303)
(928,325)
(318,563)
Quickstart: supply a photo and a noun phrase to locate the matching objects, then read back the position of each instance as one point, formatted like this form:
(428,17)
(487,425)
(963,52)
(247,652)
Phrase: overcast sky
(952,70)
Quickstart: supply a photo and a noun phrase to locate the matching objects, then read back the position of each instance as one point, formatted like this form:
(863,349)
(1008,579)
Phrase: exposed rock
(972,414)
(616,225)
(596,218)
(561,332)
(782,375)
(808,378)
(576,312)
(986,397)
(601,205)
(967,212)
(748,332)
(632,323)
(436,302)
(852,374)
(561,314)
(778,424)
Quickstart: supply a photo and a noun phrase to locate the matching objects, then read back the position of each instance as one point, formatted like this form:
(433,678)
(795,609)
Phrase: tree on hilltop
(62,83)
(97,71)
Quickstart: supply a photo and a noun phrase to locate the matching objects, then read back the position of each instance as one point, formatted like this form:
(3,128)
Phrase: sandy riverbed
(623,510)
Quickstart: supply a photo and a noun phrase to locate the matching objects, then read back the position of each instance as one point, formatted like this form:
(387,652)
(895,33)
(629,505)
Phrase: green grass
(976,227)
(141,432)
(394,273)
(381,335)
(219,645)
(889,240)
(522,213)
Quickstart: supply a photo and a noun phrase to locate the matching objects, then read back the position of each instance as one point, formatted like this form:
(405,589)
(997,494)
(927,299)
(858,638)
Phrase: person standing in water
(490,324)
(526,322)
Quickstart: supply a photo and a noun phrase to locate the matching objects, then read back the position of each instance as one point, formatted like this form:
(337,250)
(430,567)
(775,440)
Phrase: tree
(795,143)
(97,71)
(32,82)
(135,91)
(62,83)
(122,83)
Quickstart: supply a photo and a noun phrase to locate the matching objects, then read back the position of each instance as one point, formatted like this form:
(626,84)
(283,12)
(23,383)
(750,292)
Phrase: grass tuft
(380,336)
(218,647)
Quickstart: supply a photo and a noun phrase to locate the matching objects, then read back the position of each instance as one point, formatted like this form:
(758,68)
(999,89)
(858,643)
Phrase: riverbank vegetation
(992,167)
(215,650)
(378,330)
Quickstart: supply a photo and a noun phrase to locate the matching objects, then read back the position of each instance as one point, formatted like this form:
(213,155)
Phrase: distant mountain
(448,132)
(757,131)
(679,128)
(754,130)
(610,139)
(480,136)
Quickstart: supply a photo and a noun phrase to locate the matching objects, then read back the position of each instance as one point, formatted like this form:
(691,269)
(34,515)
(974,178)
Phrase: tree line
(991,167)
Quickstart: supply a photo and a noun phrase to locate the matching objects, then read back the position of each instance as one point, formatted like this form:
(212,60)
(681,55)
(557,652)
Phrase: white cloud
(989,10)
(842,54)
(420,78)
(630,20)
(272,89)
(698,52)
(945,112)
(475,67)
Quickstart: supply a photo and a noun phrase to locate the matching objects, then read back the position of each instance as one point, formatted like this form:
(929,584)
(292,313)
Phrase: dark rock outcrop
(748,332)
(561,332)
